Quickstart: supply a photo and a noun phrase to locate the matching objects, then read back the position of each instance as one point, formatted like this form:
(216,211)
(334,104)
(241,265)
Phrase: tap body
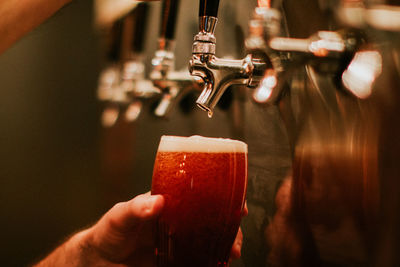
(325,52)
(171,83)
(218,73)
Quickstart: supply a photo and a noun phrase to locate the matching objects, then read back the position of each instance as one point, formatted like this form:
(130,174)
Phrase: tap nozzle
(217,73)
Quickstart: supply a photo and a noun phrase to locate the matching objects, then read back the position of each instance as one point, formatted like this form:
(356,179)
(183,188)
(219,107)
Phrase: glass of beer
(203,181)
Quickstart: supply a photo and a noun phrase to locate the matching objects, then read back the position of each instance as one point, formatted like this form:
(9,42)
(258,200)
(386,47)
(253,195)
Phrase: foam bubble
(198,143)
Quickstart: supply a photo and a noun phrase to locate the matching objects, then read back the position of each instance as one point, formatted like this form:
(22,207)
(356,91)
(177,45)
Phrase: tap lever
(164,59)
(208,8)
(132,32)
(140,15)
(169,13)
(113,39)
(208,12)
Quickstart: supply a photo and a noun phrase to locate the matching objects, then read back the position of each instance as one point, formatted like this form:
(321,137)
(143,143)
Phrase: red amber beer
(204,183)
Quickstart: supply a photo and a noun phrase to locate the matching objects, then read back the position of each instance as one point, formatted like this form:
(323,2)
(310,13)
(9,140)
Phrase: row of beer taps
(345,55)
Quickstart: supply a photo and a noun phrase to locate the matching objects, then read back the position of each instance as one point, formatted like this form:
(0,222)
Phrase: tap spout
(218,74)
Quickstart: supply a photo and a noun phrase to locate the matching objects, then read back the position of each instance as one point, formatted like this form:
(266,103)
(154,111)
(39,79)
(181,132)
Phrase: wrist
(86,254)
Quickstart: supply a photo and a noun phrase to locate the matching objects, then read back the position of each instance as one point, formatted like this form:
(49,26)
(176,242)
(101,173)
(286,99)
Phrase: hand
(124,234)
(122,237)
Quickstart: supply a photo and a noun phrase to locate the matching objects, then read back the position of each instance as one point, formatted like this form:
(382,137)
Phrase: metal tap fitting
(327,52)
(173,85)
(217,73)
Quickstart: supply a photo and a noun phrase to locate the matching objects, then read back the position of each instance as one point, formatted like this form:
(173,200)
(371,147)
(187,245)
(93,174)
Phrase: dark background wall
(49,135)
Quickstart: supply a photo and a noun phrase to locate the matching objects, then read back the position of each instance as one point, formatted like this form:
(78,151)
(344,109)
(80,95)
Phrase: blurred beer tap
(380,19)
(122,85)
(379,15)
(326,53)
(173,84)
(217,73)
(109,77)
(133,81)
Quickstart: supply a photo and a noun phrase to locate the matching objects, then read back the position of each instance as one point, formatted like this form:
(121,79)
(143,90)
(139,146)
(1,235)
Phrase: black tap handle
(169,13)
(208,8)
(114,41)
(140,16)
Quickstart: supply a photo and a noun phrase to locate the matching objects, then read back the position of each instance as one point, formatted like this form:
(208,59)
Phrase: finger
(237,245)
(125,215)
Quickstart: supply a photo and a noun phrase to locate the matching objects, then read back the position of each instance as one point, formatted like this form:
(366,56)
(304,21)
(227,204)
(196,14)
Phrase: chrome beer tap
(217,73)
(380,19)
(173,84)
(133,81)
(122,85)
(326,53)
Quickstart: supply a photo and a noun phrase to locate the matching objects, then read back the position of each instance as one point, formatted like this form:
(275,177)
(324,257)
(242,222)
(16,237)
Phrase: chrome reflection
(264,91)
(340,204)
(133,111)
(109,116)
(362,72)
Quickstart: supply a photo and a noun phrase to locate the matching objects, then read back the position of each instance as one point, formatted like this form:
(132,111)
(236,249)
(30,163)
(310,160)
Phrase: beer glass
(203,181)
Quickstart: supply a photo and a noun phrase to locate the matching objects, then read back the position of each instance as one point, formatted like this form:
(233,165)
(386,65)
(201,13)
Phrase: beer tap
(109,77)
(133,81)
(326,53)
(217,73)
(122,85)
(383,22)
(173,84)
(379,15)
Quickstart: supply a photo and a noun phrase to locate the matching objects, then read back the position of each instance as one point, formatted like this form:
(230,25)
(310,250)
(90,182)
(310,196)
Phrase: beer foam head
(200,144)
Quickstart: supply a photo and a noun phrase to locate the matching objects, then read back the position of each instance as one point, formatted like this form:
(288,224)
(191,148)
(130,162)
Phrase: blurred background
(51,183)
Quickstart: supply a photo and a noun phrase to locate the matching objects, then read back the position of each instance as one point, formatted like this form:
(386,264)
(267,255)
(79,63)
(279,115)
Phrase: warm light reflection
(267,85)
(107,80)
(163,106)
(108,11)
(133,111)
(264,3)
(362,73)
(329,41)
(384,17)
(109,116)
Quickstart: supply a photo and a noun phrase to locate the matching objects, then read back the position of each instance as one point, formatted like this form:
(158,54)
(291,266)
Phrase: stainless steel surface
(122,85)
(218,73)
(207,24)
(173,84)
(378,16)
(164,59)
(339,204)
